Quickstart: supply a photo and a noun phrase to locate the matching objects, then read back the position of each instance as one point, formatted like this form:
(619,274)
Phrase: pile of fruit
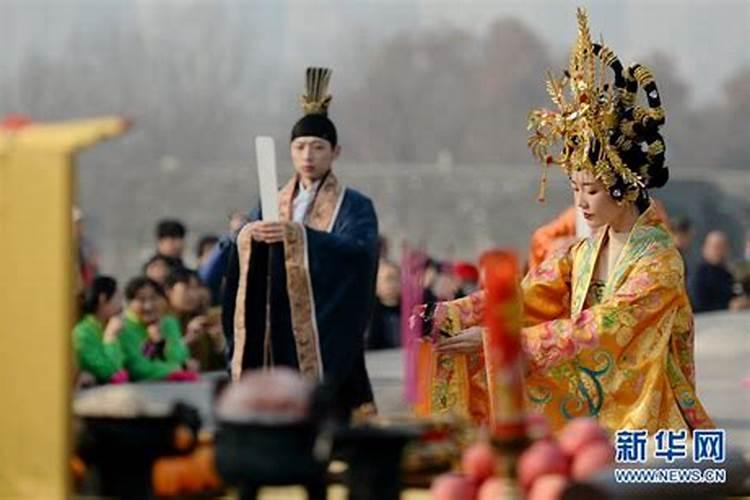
(545,468)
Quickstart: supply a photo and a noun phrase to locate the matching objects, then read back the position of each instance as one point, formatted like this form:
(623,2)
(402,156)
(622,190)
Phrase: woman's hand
(195,328)
(467,342)
(216,333)
(417,316)
(154,334)
(113,329)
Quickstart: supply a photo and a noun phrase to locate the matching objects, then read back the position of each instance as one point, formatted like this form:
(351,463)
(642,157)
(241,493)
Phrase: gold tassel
(543,184)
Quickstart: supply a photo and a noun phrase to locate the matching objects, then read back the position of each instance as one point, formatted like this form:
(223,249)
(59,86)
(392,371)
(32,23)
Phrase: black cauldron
(121,451)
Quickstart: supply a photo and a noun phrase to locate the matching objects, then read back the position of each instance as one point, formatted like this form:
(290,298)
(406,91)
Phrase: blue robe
(322,289)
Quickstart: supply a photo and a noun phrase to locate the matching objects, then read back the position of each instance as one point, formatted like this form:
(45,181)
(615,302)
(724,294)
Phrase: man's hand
(268,232)
(466,342)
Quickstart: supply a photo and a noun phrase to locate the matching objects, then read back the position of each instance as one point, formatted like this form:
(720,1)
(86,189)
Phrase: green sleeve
(175,350)
(139,366)
(115,353)
(100,359)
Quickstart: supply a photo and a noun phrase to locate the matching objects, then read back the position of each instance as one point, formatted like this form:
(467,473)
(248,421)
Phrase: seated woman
(189,302)
(95,336)
(151,344)
(608,329)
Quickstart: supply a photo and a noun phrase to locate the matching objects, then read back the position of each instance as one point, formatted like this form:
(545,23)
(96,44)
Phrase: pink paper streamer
(412,295)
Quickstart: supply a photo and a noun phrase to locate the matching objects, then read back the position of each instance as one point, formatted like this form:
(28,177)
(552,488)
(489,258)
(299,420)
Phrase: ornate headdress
(598,126)
(315,102)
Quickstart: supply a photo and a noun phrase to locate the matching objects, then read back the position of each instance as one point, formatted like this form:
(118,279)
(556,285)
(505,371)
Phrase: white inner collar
(313,187)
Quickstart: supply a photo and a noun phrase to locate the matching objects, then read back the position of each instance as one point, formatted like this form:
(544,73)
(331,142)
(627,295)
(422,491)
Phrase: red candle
(502,343)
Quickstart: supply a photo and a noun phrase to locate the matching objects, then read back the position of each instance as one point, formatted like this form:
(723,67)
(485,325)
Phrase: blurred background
(430,98)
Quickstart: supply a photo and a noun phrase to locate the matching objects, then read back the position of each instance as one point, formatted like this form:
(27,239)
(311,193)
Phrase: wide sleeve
(331,283)
(546,288)
(545,238)
(231,283)
(546,296)
(213,272)
(454,316)
(642,302)
(355,241)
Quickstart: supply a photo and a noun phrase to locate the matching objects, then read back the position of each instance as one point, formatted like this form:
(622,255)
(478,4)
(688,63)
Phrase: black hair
(156,258)
(170,228)
(180,275)
(140,282)
(636,138)
(316,125)
(102,285)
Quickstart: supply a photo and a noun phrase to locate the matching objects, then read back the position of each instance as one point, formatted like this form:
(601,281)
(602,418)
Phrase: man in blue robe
(299,292)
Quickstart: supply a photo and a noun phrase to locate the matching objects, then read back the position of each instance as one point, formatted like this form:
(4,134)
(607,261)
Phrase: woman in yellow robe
(620,350)
(608,329)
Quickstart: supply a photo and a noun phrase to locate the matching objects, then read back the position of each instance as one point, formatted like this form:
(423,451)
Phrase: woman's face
(158,271)
(110,307)
(145,305)
(594,200)
(185,297)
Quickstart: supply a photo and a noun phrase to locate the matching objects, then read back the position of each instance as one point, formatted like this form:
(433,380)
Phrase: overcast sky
(709,39)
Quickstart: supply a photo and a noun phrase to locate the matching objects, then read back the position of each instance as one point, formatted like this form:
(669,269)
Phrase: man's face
(312,157)
(171,246)
(716,248)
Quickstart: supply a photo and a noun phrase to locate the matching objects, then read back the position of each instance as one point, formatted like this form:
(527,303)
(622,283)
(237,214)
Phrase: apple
(452,487)
(478,461)
(580,432)
(543,457)
(548,487)
(591,459)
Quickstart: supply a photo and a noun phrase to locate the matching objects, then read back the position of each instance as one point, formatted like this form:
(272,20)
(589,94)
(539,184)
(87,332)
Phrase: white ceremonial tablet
(265,152)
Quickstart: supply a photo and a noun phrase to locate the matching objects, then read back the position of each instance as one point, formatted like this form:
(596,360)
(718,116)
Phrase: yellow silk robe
(626,360)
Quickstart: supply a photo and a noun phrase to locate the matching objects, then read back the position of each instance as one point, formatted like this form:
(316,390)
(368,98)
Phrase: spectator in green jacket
(95,336)
(151,343)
